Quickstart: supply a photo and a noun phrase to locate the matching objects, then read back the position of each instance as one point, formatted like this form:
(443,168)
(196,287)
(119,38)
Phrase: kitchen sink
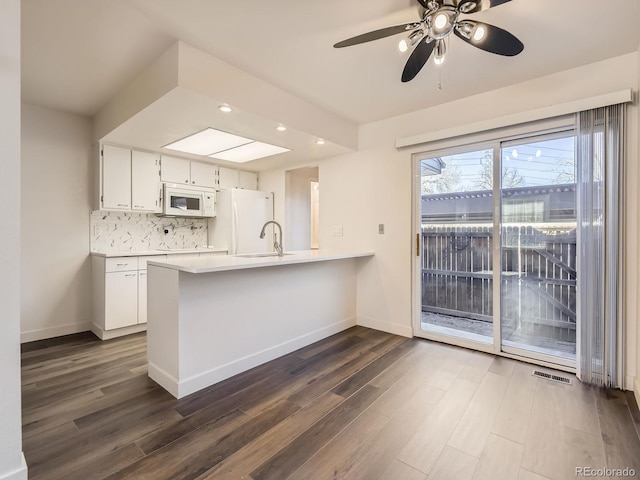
(259,255)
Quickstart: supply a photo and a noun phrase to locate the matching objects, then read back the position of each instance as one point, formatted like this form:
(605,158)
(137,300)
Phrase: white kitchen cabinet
(248,180)
(175,170)
(228,178)
(116,178)
(231,178)
(115,284)
(145,182)
(204,174)
(121,299)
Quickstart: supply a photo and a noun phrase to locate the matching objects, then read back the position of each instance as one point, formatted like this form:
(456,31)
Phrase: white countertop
(220,263)
(167,251)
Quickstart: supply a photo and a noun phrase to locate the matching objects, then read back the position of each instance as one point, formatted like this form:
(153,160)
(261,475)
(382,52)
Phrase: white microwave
(187,201)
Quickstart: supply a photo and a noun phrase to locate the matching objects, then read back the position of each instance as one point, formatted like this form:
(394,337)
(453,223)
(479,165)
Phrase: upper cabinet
(116,178)
(130,180)
(146,189)
(204,174)
(175,170)
(188,172)
(231,178)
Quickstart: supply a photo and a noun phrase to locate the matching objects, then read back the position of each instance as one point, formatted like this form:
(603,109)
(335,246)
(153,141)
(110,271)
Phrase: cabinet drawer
(142,261)
(120,264)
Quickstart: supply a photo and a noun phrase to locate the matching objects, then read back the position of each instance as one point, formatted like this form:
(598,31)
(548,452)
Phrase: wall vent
(549,376)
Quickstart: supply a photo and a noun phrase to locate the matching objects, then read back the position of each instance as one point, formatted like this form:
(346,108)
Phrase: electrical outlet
(381,228)
(337,231)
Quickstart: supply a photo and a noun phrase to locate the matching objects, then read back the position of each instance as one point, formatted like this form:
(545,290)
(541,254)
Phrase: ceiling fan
(438,19)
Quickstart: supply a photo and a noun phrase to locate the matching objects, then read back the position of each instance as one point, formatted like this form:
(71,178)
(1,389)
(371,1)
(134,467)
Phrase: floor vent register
(549,376)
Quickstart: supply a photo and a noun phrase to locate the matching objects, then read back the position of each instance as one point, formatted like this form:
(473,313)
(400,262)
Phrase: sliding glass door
(497,247)
(538,247)
(456,237)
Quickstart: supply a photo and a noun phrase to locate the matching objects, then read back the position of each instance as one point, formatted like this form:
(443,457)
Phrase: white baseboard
(215,375)
(393,328)
(636,390)
(51,332)
(162,378)
(119,332)
(20,474)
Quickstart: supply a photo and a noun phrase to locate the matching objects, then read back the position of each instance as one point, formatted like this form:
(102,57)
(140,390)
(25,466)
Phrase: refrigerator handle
(234,230)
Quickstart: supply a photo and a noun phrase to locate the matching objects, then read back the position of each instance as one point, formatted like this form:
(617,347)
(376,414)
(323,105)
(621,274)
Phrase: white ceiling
(78,53)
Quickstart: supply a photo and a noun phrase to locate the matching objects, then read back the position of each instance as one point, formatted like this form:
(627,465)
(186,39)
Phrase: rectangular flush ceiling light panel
(248,152)
(207,142)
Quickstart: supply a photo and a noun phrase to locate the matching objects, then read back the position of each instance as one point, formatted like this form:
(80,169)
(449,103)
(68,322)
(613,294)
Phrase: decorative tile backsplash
(131,232)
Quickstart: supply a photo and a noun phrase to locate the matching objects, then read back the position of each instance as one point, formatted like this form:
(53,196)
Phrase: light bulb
(479,34)
(281,128)
(403,46)
(438,60)
(441,21)
(320,141)
(225,108)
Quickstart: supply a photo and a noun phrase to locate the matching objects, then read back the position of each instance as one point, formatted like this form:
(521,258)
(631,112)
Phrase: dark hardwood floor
(361,405)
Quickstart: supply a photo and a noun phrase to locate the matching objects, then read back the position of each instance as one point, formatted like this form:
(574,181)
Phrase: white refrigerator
(240,215)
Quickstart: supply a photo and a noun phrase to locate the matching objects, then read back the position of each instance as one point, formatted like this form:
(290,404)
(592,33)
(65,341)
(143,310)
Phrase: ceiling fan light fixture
(440,21)
(440,51)
(479,33)
(403,45)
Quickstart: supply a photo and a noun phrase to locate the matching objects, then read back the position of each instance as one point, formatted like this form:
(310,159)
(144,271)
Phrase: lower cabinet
(120,293)
(120,299)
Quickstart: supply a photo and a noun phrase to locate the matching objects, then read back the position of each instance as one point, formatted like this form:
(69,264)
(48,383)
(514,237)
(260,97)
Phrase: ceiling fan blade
(417,60)
(473,6)
(495,39)
(377,34)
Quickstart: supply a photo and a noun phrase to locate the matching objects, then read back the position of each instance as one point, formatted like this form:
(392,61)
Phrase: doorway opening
(302,208)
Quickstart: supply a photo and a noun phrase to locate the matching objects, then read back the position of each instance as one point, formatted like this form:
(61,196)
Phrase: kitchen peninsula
(210,318)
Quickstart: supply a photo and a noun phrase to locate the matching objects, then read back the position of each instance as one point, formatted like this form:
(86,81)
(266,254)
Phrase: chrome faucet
(277,245)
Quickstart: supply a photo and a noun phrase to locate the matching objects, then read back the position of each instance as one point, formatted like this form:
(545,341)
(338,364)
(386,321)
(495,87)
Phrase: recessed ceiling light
(207,142)
(320,141)
(281,128)
(248,152)
(225,108)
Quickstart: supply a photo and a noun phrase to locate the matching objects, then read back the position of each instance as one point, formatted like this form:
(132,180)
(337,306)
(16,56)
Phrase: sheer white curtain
(600,150)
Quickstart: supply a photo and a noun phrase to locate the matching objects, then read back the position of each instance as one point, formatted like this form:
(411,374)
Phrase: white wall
(373,186)
(298,207)
(56,201)
(12,464)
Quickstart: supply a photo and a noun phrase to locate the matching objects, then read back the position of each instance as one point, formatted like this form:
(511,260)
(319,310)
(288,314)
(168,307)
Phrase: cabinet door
(121,299)
(203,174)
(174,170)
(116,178)
(248,180)
(228,178)
(142,296)
(145,182)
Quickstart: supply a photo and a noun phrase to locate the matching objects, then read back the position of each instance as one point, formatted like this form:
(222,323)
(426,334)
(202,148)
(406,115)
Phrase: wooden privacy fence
(538,276)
